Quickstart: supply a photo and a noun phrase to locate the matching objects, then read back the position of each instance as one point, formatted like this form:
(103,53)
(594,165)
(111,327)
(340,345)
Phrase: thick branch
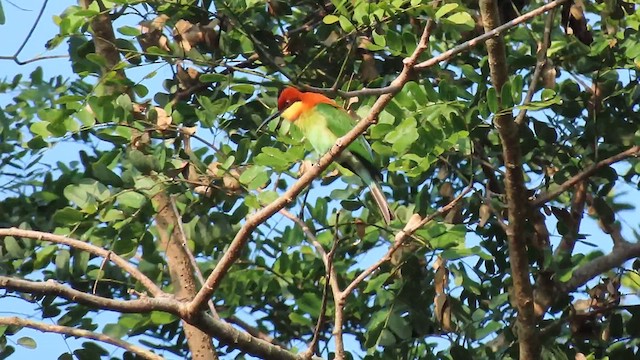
(545,198)
(80,333)
(586,272)
(237,339)
(180,270)
(84,246)
(516,191)
(221,330)
(253,331)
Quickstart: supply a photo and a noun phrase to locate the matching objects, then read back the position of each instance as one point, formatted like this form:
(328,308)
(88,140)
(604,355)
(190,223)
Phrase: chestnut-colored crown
(288,96)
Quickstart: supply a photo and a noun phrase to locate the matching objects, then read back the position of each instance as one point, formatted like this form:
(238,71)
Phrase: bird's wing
(339,123)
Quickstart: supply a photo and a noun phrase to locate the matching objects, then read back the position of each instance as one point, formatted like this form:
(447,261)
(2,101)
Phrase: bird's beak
(268,120)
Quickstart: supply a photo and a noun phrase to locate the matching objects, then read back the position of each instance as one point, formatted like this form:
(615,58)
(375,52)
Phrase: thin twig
(540,63)
(26,39)
(311,237)
(399,240)
(444,56)
(545,198)
(338,317)
(84,246)
(330,282)
(79,333)
(101,272)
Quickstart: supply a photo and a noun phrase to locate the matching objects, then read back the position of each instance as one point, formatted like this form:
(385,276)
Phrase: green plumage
(322,125)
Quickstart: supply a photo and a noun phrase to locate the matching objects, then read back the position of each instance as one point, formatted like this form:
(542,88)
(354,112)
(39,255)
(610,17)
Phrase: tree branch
(444,56)
(489,34)
(545,198)
(578,202)
(253,331)
(332,278)
(84,246)
(516,191)
(80,333)
(541,61)
(50,287)
(586,272)
(221,330)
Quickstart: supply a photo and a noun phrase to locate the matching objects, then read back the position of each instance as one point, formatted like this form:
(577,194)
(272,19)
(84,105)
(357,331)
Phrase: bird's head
(287,97)
(293,102)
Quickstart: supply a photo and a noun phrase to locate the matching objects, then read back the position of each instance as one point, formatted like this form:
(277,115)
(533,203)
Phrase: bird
(322,121)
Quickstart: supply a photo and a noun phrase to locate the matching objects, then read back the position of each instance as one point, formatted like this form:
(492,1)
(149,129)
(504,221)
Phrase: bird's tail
(381,200)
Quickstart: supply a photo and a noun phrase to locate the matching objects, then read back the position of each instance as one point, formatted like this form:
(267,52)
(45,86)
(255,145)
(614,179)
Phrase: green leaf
(378,39)
(131,199)
(545,132)
(62,264)
(330,19)
(399,326)
(445,9)
(454,254)
(211,78)
(267,197)
(386,338)
(37,143)
(492,100)
(487,329)
(162,318)
(105,175)
(2,18)
(254,177)
(462,18)
(404,135)
(27,342)
(243,88)
(80,263)
(115,330)
(505,95)
(13,247)
(309,303)
(376,283)
(346,24)
(44,256)
(129,31)
(68,216)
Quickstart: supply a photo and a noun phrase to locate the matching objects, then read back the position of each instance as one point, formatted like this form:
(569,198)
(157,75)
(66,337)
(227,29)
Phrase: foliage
(192,136)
